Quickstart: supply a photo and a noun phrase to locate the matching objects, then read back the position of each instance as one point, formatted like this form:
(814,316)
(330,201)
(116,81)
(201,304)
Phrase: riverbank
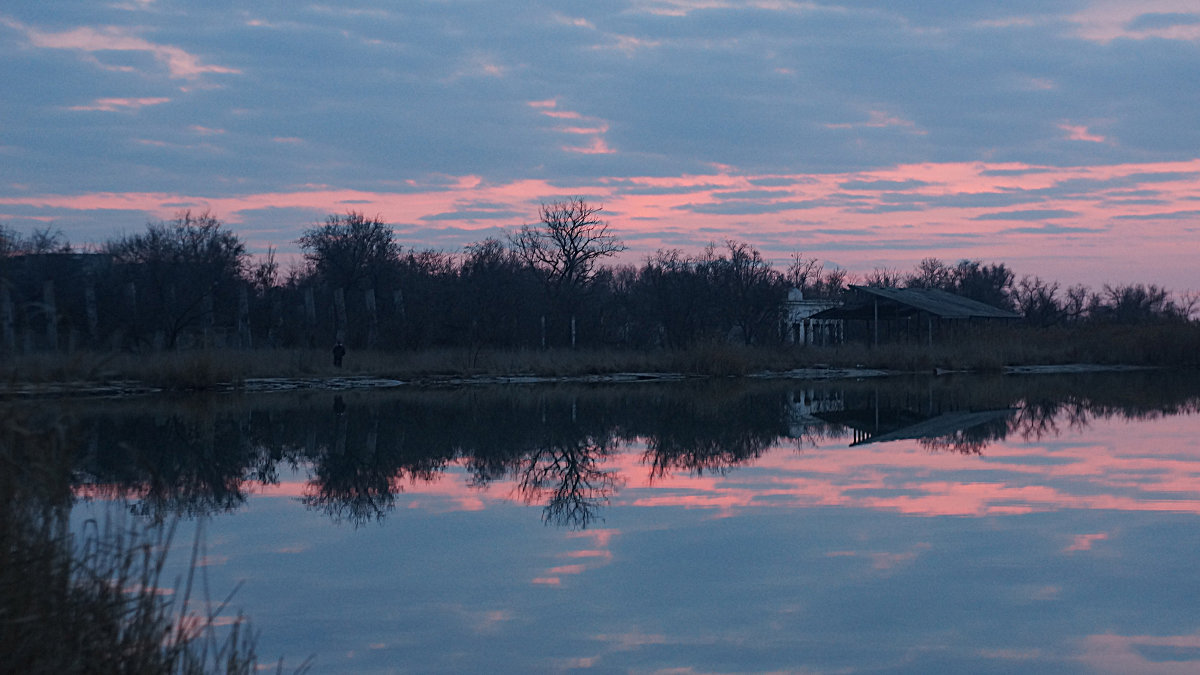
(124,374)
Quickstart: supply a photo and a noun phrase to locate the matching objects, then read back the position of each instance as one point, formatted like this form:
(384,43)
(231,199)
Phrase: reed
(990,349)
(94,601)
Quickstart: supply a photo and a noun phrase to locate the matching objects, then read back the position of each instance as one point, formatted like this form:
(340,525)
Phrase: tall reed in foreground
(94,601)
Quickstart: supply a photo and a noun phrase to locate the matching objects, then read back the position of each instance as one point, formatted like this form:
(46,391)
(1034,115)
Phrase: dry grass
(985,350)
(93,601)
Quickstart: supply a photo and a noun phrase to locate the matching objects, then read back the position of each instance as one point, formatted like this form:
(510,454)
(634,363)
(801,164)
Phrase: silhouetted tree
(989,284)
(564,249)
(753,292)
(931,273)
(883,277)
(1134,303)
(181,269)
(350,251)
(1038,301)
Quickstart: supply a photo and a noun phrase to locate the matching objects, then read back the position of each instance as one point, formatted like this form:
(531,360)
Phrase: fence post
(93,315)
(339,314)
(372,319)
(310,316)
(243,319)
(7,325)
(51,315)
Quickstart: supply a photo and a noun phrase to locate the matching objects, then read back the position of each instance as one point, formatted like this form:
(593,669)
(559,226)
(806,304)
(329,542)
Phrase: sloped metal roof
(938,302)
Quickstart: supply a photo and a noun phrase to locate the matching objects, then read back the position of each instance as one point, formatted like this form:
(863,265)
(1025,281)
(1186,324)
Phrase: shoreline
(260,385)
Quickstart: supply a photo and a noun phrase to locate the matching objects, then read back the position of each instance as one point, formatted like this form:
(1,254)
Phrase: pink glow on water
(1114,470)
(1116,473)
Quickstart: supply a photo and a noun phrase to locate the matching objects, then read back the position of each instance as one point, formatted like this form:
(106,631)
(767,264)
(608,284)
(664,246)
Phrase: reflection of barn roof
(894,425)
(899,302)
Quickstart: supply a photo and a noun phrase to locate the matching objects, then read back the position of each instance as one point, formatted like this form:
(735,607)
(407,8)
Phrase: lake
(915,524)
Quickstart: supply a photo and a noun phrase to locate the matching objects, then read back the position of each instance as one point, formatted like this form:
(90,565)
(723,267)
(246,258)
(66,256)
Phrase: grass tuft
(94,601)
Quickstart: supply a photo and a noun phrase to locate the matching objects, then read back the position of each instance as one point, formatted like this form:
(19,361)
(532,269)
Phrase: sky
(1061,137)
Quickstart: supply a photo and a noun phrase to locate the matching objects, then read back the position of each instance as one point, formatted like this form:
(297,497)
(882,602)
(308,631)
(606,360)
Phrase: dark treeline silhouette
(189,282)
(356,452)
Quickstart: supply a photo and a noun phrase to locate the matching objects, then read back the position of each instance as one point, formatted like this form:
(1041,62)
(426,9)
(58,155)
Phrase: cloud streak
(689,121)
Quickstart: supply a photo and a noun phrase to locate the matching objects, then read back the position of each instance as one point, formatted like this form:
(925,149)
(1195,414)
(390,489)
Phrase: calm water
(916,525)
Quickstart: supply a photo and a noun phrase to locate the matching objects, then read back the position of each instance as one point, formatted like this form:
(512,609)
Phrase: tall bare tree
(564,248)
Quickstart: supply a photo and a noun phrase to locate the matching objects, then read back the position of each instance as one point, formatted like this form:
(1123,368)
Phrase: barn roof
(906,301)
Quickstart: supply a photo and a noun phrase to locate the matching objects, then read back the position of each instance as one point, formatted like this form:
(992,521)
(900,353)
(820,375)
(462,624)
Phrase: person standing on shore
(339,351)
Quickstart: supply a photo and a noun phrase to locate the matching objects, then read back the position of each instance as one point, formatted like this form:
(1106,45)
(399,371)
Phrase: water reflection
(556,445)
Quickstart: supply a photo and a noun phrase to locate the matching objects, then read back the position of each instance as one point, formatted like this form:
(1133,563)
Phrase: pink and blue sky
(1061,137)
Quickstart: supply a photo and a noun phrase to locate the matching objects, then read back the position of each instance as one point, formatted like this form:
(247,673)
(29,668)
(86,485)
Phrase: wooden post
(51,316)
(93,316)
(372,318)
(876,322)
(7,324)
(276,322)
(339,314)
(207,320)
(243,319)
(398,302)
(310,316)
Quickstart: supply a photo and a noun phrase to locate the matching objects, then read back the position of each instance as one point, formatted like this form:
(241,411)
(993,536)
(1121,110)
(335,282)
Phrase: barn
(877,314)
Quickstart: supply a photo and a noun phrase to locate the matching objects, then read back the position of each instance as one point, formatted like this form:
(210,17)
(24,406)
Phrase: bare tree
(181,267)
(803,273)
(564,248)
(931,273)
(1038,301)
(567,243)
(884,277)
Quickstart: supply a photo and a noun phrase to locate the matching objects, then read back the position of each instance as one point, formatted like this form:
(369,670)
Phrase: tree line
(189,282)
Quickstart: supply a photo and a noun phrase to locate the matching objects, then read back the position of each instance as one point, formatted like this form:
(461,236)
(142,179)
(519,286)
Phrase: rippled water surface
(1019,524)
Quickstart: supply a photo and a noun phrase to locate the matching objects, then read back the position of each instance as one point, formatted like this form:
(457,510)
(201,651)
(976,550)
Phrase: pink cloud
(596,147)
(1088,240)
(1115,654)
(1107,20)
(179,63)
(115,104)
(878,119)
(1083,542)
(1081,133)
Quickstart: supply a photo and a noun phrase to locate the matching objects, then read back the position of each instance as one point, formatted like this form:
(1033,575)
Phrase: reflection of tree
(186,463)
(971,440)
(567,475)
(352,483)
(711,430)
(356,477)
(203,456)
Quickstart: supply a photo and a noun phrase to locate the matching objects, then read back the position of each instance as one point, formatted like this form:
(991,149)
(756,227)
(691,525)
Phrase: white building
(800,328)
